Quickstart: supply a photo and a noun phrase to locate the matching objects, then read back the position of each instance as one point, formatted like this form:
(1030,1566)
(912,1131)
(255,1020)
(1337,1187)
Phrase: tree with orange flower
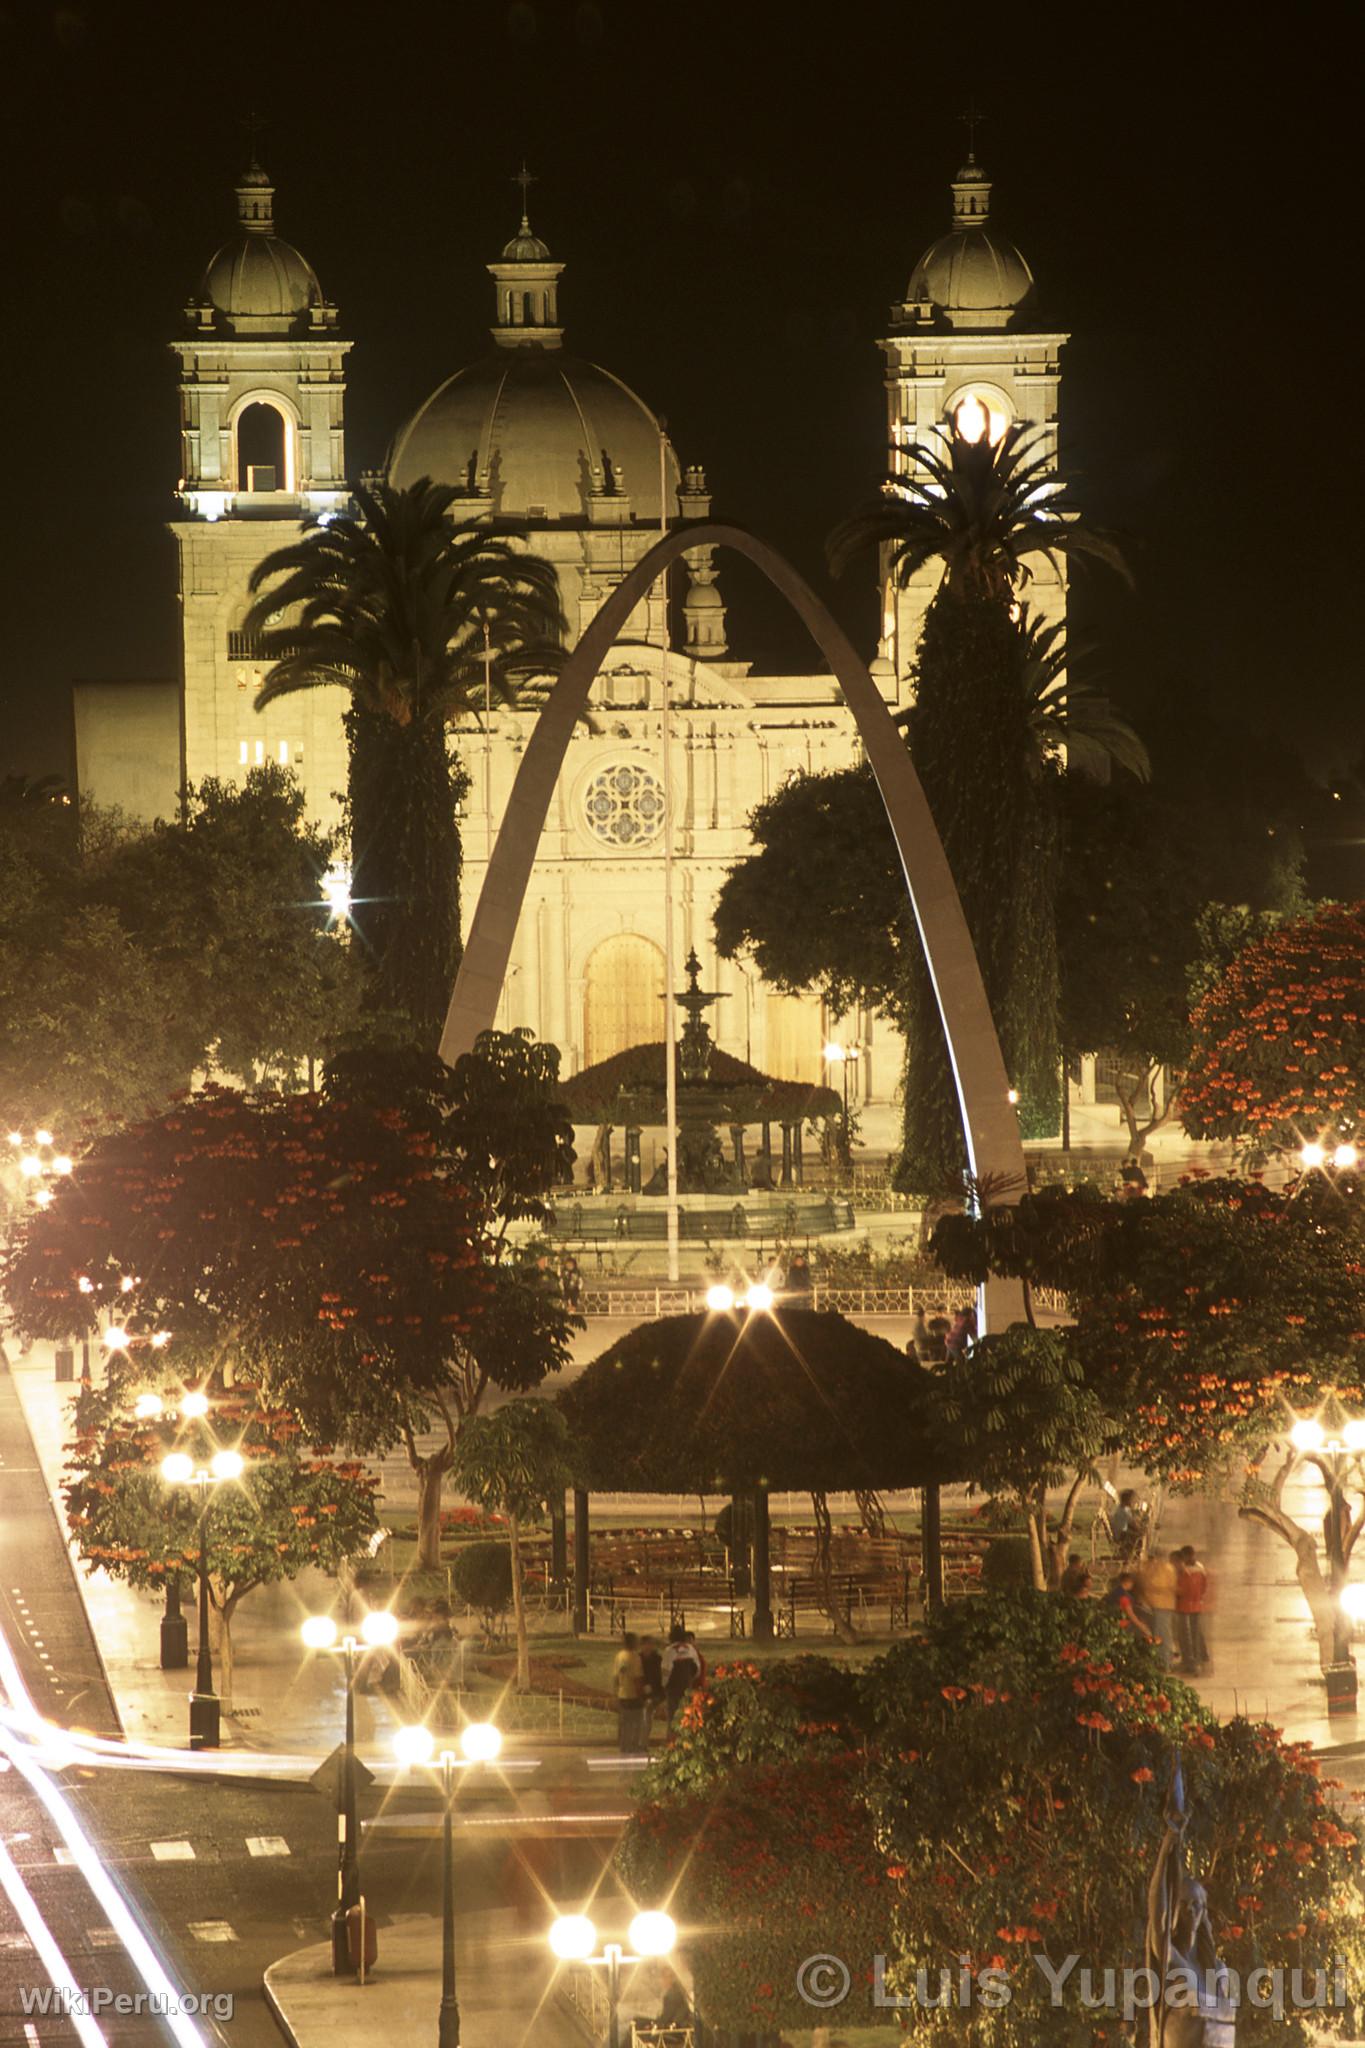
(1278,1057)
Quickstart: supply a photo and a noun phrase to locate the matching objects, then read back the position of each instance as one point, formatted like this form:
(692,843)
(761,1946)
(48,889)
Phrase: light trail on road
(34,1764)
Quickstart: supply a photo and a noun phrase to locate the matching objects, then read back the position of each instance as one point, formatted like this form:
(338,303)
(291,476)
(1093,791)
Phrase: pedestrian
(1191,1605)
(962,1335)
(938,1341)
(917,1345)
(681,1669)
(1122,1599)
(1157,1586)
(1076,1577)
(651,1665)
(628,1674)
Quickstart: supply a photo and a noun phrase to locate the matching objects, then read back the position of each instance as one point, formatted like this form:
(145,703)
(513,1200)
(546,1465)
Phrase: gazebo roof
(798,1400)
(632,1083)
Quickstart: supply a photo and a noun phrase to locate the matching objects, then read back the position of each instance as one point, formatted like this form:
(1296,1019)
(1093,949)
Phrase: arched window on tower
(262,449)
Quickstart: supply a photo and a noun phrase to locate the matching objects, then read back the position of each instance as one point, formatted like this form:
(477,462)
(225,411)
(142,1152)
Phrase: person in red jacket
(1191,1605)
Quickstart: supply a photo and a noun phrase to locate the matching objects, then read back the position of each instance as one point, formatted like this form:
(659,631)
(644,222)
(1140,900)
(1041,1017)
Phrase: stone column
(580,1561)
(763,1577)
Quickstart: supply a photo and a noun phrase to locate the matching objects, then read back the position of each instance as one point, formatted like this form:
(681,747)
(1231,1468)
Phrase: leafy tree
(1278,1053)
(343,1252)
(130,957)
(414,617)
(1023,1421)
(515,1462)
(293,1507)
(985,1794)
(1207,1320)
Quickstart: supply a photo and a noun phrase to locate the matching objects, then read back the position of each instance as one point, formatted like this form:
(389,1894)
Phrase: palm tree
(416,617)
(994,715)
(981,507)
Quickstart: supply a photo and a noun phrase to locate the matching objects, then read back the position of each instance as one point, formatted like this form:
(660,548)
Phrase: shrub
(481,1574)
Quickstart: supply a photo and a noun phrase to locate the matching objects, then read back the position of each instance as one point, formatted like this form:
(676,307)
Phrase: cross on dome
(526,179)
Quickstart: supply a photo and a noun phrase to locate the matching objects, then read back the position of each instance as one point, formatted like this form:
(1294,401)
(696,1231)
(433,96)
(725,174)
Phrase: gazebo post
(931,1549)
(763,1577)
(786,1179)
(737,1142)
(580,1561)
(798,1154)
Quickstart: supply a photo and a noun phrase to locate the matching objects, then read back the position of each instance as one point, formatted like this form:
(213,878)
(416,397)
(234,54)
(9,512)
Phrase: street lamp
(320,1632)
(573,1939)
(481,1743)
(1335,1446)
(179,1469)
(844,1057)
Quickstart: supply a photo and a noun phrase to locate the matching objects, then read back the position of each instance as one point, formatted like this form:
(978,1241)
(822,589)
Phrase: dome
(262,277)
(525,247)
(541,431)
(973,276)
(257,283)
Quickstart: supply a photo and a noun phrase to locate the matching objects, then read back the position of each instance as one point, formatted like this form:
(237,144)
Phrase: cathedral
(535,434)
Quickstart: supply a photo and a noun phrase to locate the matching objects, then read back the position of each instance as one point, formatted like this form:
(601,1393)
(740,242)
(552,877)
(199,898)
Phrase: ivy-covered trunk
(404,794)
(994,807)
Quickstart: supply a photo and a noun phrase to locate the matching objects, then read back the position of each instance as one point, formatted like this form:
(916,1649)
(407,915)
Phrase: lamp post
(319,1632)
(179,1469)
(481,1743)
(1335,1447)
(573,1939)
(843,1057)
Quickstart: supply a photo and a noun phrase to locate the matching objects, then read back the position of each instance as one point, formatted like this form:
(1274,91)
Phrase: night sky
(738,191)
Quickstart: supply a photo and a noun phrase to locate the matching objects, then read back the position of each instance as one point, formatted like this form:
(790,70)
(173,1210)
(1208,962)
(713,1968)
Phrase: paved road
(223,1877)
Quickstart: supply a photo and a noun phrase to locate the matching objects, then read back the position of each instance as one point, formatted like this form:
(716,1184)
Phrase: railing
(634,1301)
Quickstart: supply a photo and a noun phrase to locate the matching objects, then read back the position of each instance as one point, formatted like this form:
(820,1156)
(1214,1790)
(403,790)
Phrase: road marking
(62,1854)
(173,1852)
(30,2034)
(267,1845)
(212,1930)
(15,1941)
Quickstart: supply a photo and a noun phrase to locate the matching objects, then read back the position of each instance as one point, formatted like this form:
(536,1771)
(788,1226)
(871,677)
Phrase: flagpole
(670,974)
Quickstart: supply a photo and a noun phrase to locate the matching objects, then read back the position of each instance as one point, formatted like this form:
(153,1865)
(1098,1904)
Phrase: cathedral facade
(536,435)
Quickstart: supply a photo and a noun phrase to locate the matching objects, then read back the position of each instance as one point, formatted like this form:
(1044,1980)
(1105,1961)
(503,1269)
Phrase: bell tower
(967,329)
(262,388)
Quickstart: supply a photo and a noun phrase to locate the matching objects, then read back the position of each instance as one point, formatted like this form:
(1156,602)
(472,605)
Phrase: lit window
(243,753)
(979,410)
(284,753)
(260,753)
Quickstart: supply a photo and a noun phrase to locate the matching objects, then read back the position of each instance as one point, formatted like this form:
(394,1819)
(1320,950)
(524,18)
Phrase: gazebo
(745,1402)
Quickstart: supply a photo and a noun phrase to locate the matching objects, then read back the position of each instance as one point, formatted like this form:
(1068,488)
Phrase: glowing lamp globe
(116,1338)
(719,1299)
(1352,1600)
(759,1297)
(63,1163)
(379,1628)
(653,1934)
(414,1745)
(177,1468)
(1353,1436)
(194,1403)
(573,1938)
(227,1464)
(146,1406)
(1312,1155)
(30,1166)
(1308,1434)
(319,1632)
(481,1742)
(42,1137)
(1345,1157)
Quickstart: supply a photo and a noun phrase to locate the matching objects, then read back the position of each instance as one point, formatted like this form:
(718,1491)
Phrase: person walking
(628,1674)
(1122,1598)
(1157,1588)
(681,1668)
(651,1665)
(1191,1605)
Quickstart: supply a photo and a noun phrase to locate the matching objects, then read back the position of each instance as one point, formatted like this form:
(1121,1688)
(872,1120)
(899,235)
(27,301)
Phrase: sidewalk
(283,1698)
(504,1986)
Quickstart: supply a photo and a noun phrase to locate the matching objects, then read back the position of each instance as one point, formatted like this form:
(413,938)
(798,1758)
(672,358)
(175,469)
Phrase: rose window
(625,806)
